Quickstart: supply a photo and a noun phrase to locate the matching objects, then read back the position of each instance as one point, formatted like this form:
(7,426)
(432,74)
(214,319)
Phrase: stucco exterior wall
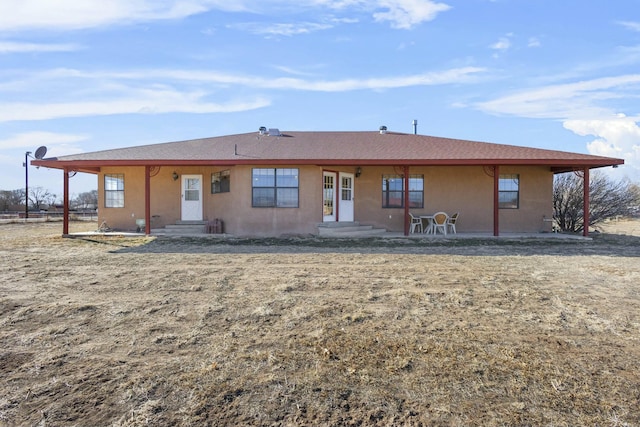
(464,189)
(233,208)
(123,218)
(241,219)
(536,201)
(467,190)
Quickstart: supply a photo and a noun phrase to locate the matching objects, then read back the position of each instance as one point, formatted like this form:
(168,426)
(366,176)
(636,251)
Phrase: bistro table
(427,223)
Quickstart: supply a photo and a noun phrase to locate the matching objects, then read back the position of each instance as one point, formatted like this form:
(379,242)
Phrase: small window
(509,191)
(347,188)
(393,191)
(275,188)
(220,182)
(114,191)
(192,189)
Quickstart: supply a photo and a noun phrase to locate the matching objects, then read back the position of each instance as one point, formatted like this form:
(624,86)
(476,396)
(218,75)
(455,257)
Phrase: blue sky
(82,76)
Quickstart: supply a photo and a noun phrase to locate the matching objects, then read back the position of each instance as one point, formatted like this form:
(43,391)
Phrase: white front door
(345,208)
(329,197)
(191,198)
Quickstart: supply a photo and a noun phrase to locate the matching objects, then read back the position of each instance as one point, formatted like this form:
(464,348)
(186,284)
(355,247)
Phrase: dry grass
(187,332)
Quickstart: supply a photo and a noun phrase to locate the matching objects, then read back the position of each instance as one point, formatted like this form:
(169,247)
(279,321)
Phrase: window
(275,188)
(509,191)
(327,197)
(393,191)
(114,191)
(347,188)
(192,189)
(220,182)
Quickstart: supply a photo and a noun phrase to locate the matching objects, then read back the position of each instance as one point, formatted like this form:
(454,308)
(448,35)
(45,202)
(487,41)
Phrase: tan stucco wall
(240,218)
(464,189)
(536,201)
(123,218)
(468,190)
(233,208)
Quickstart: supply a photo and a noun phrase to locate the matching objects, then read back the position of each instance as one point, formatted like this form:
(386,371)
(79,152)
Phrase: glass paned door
(346,197)
(191,198)
(329,197)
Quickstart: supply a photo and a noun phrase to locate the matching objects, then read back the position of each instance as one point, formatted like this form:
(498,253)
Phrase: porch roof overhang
(328,149)
(94,166)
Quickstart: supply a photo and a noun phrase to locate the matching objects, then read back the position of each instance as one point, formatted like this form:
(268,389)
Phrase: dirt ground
(113,331)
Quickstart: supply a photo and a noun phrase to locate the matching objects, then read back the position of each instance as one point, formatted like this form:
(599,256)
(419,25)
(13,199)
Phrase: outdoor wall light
(175,176)
(358,172)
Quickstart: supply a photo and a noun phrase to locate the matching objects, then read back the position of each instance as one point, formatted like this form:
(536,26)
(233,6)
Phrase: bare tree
(86,200)
(11,200)
(635,209)
(607,199)
(38,197)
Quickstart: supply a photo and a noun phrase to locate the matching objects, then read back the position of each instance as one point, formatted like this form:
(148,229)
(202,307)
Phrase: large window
(393,191)
(114,190)
(275,188)
(220,182)
(509,191)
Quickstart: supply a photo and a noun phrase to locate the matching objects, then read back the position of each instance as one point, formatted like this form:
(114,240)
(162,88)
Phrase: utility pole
(26,184)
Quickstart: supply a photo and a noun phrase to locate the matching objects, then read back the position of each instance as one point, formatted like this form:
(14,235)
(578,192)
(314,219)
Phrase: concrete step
(182,228)
(350,231)
(336,224)
(346,229)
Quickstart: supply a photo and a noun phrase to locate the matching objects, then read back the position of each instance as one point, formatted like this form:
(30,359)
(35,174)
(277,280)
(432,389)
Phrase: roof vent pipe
(383,130)
(415,126)
(262,130)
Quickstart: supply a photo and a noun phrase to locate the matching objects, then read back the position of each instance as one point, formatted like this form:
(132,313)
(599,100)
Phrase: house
(271,183)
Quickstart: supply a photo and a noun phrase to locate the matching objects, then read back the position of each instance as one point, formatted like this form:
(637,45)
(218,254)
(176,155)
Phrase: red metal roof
(328,148)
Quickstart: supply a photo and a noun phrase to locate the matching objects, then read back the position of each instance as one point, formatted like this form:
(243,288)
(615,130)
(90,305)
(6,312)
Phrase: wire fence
(9,216)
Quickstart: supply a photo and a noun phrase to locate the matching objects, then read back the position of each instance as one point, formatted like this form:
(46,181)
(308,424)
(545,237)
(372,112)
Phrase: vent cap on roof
(262,130)
(274,132)
(383,130)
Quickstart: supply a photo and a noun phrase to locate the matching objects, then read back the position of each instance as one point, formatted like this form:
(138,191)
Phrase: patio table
(427,223)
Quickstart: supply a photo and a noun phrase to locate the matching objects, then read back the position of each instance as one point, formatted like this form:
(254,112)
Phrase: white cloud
(292,71)
(281,29)
(580,108)
(564,101)
(455,75)
(405,14)
(146,102)
(617,136)
(74,14)
(633,26)
(20,47)
(138,91)
(534,42)
(502,44)
(18,15)
(38,138)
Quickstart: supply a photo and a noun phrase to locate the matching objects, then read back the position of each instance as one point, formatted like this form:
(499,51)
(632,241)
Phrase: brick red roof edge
(329,148)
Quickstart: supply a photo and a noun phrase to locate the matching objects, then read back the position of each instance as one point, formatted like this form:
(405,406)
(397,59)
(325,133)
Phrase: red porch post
(65,203)
(496,200)
(147,200)
(406,200)
(585,207)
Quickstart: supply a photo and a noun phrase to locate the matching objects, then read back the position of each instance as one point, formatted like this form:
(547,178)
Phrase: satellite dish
(40,152)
